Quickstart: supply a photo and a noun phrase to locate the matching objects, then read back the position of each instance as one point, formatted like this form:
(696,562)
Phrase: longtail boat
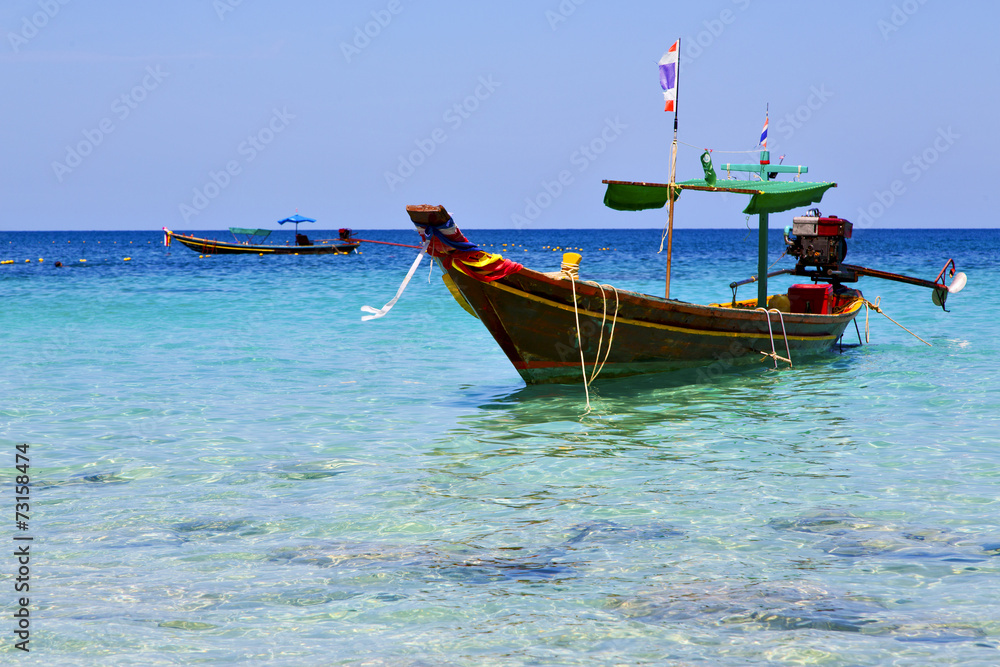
(555,327)
(215,247)
(252,241)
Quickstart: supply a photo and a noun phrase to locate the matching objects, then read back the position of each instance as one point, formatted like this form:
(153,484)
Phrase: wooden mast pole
(762,261)
(673,173)
(763,168)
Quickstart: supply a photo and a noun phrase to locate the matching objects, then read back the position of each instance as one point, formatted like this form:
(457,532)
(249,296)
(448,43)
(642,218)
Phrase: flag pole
(765,159)
(673,173)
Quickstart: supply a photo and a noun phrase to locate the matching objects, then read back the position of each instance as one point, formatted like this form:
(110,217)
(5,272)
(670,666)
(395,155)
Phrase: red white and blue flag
(668,76)
(763,134)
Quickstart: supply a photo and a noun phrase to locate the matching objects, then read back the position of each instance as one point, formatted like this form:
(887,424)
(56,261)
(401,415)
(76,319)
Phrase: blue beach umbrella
(296,219)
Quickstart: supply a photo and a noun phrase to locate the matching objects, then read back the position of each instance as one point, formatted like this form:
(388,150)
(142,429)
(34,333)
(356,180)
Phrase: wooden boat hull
(212,247)
(532,317)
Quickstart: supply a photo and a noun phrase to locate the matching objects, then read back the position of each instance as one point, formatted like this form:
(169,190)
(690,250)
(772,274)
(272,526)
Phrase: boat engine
(820,244)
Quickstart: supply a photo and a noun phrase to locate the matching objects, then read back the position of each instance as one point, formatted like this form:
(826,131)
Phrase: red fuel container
(815,299)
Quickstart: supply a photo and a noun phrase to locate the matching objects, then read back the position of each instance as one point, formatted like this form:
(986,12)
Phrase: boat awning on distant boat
(250,235)
(765,197)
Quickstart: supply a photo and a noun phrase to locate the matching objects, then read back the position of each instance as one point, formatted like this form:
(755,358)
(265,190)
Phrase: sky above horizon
(206,114)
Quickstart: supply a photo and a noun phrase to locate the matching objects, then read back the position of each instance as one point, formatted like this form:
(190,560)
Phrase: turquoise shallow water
(230,467)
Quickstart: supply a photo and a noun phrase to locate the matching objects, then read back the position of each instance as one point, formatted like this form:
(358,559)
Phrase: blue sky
(205,114)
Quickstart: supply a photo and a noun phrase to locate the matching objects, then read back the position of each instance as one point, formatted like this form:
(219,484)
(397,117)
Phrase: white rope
(579,344)
(381,312)
(774,352)
(788,350)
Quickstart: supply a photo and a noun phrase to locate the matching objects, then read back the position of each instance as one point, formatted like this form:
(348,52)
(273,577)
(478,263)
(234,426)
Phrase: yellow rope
(572,272)
(875,306)
(604,319)
(877,300)
(777,260)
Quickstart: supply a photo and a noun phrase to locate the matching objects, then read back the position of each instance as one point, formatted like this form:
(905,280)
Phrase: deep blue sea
(229,467)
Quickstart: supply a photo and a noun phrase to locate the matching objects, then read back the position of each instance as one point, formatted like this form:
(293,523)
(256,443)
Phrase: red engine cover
(834,226)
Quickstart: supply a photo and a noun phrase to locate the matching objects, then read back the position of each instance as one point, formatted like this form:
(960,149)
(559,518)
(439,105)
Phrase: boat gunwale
(673,306)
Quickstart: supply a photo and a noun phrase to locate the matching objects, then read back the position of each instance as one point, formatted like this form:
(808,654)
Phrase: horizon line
(494,229)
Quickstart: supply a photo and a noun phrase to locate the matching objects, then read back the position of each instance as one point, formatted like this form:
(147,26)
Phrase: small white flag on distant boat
(668,76)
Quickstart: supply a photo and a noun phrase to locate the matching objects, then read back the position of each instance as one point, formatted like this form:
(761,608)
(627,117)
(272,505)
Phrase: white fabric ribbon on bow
(375,314)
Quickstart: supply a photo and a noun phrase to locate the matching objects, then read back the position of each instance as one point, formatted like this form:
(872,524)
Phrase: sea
(221,463)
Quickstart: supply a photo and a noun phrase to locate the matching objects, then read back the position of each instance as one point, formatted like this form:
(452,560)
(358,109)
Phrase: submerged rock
(773,607)
(609,531)
(786,607)
(850,536)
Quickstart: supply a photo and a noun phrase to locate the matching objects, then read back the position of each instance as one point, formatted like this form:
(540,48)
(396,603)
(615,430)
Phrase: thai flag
(668,76)
(763,134)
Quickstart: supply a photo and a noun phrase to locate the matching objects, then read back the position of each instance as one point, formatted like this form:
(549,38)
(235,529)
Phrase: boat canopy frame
(766,196)
(249,236)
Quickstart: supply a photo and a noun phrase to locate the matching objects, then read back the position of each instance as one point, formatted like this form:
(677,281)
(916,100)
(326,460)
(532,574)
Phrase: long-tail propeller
(940,288)
(820,244)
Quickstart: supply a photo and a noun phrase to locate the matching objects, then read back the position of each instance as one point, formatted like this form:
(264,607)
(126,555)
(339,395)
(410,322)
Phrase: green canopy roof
(250,236)
(252,232)
(765,196)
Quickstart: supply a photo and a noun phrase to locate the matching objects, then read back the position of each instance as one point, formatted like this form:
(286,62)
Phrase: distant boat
(251,241)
